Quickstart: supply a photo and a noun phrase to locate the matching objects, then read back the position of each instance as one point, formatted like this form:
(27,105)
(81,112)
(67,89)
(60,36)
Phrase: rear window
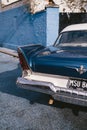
(72,38)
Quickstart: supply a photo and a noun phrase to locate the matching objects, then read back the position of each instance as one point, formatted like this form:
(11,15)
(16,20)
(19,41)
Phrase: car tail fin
(26,53)
(22,60)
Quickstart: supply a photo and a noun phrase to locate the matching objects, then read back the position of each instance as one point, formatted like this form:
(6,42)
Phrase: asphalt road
(26,110)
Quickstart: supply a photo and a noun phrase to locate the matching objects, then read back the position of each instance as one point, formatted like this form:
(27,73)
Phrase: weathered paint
(70,6)
(38,5)
(19,27)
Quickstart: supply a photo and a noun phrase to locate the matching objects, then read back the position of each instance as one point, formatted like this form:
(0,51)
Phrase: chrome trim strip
(48,85)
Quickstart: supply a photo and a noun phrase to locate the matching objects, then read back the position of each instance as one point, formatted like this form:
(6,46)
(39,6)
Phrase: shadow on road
(8,85)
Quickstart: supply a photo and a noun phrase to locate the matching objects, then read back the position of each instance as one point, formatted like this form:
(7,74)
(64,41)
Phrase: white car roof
(75,27)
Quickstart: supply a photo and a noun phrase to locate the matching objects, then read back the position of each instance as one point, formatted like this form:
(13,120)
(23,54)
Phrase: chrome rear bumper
(62,94)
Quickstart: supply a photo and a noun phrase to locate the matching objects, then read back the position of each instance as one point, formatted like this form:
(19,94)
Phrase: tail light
(22,60)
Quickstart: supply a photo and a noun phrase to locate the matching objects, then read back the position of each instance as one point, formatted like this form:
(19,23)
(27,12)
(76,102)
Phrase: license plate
(77,84)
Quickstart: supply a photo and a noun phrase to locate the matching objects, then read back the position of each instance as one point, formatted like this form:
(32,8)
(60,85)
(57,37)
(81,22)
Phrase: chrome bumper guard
(62,94)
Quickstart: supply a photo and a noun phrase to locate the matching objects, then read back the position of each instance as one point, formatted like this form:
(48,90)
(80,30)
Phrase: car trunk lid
(72,63)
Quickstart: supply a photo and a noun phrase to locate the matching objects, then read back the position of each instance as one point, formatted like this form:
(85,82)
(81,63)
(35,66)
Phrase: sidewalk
(9,51)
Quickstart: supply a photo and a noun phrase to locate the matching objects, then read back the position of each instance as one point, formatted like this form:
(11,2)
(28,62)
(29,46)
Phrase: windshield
(72,38)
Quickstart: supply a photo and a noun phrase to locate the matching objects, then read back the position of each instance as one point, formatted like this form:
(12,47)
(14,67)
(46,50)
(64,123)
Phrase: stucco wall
(52,23)
(19,27)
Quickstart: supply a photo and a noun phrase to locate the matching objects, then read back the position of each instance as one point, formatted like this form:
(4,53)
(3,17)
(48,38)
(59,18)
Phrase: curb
(9,51)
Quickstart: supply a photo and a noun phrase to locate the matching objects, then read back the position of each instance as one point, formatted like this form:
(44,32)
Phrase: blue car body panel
(53,60)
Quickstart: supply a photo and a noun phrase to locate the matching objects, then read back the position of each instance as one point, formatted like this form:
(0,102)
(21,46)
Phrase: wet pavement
(27,110)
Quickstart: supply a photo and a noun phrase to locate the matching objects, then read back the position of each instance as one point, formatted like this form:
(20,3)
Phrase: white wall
(7,2)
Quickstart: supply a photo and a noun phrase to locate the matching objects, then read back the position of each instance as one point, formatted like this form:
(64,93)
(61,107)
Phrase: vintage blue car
(59,70)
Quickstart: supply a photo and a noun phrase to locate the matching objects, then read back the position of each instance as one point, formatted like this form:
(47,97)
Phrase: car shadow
(8,85)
